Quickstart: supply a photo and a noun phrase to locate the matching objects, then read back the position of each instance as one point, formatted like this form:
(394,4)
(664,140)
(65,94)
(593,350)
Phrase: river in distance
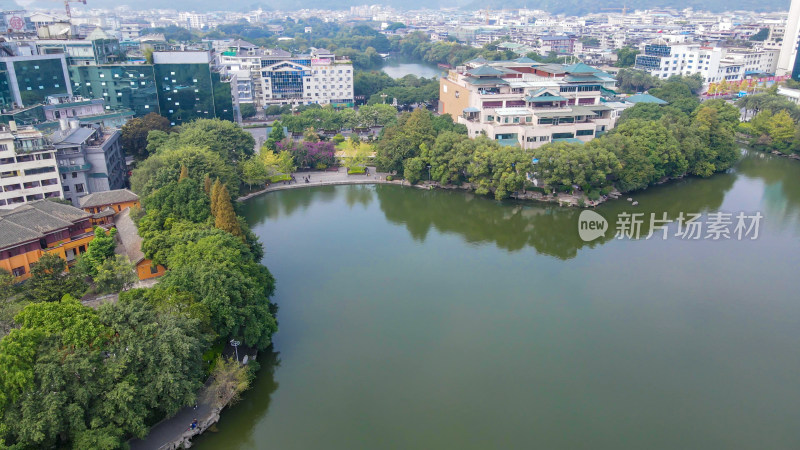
(444,320)
(397,67)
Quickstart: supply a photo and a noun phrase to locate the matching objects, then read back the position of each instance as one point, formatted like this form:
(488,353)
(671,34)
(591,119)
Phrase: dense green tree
(501,172)
(158,351)
(717,149)
(643,111)
(369,83)
(407,91)
(73,376)
(254,171)
(638,170)
(49,282)
(403,141)
(672,91)
(98,250)
(631,80)
(449,157)
(219,270)
(444,123)
(6,284)
(222,137)
(395,26)
(376,115)
(164,167)
(626,57)
(134,134)
(115,274)
(562,165)
(275,136)
(414,169)
(183,200)
(10,304)
(653,141)
(157,139)
(247,110)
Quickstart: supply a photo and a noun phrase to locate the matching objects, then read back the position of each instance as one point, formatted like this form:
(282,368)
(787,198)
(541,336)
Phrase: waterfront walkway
(171,433)
(326,178)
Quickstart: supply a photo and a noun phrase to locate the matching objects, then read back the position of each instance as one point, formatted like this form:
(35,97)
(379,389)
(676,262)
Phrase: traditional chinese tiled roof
(35,220)
(108,198)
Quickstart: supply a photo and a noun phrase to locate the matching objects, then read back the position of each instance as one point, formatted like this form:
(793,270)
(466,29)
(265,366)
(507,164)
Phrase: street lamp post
(235,345)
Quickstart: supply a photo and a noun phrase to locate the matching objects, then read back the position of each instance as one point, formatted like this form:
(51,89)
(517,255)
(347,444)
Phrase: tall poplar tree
(207,184)
(215,197)
(225,218)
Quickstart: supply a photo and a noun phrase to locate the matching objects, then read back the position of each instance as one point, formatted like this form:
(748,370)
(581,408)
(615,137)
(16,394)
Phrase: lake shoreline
(635,307)
(562,199)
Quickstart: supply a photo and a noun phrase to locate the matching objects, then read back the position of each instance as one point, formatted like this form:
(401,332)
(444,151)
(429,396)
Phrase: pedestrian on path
(193,426)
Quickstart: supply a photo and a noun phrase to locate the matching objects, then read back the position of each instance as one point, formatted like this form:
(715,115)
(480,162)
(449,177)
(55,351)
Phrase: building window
(79,187)
(18,272)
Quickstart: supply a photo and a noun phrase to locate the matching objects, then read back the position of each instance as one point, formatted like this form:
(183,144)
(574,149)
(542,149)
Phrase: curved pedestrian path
(326,178)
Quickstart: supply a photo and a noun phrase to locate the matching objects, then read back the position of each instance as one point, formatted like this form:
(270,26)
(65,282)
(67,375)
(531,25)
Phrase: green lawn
(281,177)
(348,149)
(355,171)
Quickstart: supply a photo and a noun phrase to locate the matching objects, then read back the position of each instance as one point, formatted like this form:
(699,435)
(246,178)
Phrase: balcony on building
(472,114)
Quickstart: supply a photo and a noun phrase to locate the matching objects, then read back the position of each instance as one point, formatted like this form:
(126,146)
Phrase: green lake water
(442,320)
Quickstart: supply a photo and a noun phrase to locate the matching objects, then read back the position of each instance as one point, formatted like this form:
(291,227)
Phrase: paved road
(260,136)
(171,429)
(323,178)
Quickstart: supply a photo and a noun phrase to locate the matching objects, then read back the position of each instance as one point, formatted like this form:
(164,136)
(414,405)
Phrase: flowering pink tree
(309,154)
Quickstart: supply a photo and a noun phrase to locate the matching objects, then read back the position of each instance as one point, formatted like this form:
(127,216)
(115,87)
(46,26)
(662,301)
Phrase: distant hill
(580,7)
(570,7)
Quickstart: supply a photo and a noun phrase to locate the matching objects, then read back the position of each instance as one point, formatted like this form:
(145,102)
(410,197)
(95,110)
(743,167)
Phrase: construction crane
(66,6)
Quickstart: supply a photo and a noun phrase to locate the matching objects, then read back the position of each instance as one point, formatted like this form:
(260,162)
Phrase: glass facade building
(28,80)
(180,92)
(181,86)
(192,91)
(120,85)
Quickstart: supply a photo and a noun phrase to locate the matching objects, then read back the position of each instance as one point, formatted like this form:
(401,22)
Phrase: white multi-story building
(275,77)
(28,167)
(193,20)
(527,103)
(663,60)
